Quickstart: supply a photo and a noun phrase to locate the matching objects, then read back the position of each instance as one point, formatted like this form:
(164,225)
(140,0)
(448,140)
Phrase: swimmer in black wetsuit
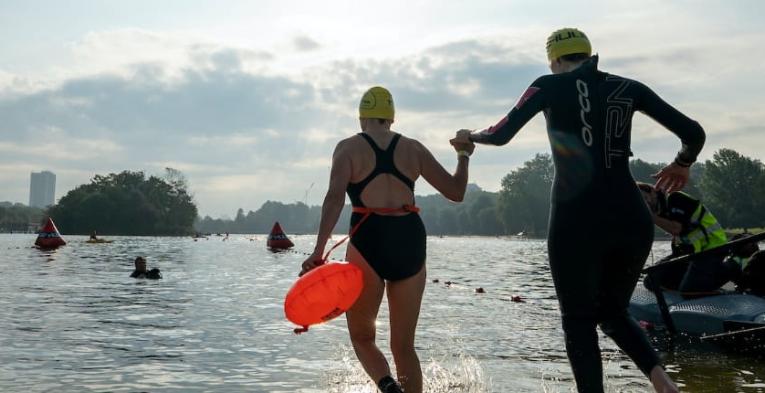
(378,168)
(141,272)
(600,229)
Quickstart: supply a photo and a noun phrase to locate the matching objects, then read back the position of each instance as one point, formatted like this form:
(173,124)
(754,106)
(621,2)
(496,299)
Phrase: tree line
(17,217)
(128,203)
(476,215)
(731,185)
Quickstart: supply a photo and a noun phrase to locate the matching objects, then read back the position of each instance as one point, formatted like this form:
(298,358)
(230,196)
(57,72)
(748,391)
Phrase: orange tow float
(323,293)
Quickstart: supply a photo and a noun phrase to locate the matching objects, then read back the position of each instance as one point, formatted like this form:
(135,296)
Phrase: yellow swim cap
(566,42)
(377,103)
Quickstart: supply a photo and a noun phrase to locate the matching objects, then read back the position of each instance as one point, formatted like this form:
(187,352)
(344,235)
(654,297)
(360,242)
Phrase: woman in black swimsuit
(378,168)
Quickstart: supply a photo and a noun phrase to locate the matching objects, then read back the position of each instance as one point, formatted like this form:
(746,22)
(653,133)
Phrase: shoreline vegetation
(129,203)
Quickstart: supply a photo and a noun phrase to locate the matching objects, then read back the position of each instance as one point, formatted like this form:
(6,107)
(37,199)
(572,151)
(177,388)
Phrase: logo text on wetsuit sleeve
(526,96)
(584,105)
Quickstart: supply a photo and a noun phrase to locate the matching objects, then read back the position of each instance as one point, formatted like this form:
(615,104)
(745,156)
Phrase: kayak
(94,241)
(714,314)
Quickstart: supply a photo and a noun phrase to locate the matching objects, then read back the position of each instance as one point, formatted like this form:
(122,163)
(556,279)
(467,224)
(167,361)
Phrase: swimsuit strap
(384,163)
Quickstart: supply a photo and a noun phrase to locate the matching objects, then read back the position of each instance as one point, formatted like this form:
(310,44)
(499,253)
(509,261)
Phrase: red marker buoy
(323,294)
(277,240)
(48,236)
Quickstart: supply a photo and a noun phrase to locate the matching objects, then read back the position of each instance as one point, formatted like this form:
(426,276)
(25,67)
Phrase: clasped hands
(461,141)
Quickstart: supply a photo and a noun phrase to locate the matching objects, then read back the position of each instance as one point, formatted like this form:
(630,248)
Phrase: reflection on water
(74,321)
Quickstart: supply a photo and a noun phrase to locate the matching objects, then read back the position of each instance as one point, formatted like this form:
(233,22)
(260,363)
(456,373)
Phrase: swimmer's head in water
(377,103)
(567,41)
(140,264)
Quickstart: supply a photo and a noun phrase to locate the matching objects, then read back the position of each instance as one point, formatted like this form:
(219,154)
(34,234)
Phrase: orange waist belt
(385,210)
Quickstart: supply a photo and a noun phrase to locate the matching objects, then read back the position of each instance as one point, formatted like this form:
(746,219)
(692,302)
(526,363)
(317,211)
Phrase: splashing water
(458,373)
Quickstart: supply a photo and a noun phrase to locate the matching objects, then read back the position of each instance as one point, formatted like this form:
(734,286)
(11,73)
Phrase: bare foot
(662,383)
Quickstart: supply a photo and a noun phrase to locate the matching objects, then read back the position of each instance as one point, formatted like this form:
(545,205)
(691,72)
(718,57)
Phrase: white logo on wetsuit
(584,104)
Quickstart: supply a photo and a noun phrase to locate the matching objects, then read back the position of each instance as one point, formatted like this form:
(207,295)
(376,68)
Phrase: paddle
(724,248)
(737,329)
(664,309)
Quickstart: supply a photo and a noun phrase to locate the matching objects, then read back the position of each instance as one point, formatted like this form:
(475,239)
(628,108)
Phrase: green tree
(128,203)
(18,217)
(733,186)
(524,200)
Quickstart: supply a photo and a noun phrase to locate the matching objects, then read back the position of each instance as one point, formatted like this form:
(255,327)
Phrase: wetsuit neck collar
(590,64)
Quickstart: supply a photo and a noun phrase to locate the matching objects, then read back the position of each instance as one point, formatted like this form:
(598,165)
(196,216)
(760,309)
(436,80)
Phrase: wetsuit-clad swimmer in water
(141,272)
(600,229)
(378,169)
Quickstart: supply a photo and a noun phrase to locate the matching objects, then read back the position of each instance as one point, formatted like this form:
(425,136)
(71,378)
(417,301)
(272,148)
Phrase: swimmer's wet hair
(139,259)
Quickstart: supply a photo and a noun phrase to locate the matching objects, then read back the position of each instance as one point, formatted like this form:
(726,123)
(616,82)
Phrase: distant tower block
(42,189)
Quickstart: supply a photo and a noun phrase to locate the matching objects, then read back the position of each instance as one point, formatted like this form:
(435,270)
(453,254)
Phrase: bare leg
(662,383)
(404,299)
(361,319)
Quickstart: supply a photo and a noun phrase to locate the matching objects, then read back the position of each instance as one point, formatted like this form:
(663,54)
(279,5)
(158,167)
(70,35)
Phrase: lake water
(73,321)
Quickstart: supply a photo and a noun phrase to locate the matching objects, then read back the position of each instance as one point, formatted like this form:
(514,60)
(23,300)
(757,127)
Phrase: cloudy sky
(248,98)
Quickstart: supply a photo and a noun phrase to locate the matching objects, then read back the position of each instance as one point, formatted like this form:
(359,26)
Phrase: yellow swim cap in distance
(377,103)
(567,41)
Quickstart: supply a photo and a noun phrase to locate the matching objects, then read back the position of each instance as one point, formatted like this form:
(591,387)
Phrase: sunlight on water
(73,321)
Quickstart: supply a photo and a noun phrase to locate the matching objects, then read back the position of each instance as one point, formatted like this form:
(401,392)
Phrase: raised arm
(531,102)
(339,177)
(451,186)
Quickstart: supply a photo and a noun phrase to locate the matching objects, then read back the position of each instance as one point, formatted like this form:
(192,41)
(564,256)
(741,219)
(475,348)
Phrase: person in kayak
(141,272)
(600,229)
(378,168)
(694,229)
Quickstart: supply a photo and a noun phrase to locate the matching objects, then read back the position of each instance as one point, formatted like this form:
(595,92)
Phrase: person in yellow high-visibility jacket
(694,229)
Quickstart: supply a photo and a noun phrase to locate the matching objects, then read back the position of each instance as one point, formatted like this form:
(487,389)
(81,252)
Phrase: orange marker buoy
(277,240)
(48,236)
(323,294)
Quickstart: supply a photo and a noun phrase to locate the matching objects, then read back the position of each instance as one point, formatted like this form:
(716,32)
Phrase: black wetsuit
(152,274)
(394,246)
(600,228)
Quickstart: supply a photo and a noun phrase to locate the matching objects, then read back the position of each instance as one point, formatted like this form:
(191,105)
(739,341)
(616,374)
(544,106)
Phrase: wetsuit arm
(339,177)
(451,186)
(531,102)
(689,131)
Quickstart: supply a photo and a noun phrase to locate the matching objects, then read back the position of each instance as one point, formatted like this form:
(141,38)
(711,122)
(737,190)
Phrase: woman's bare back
(385,190)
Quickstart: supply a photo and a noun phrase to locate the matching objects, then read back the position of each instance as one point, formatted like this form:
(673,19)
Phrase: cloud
(245,134)
(305,44)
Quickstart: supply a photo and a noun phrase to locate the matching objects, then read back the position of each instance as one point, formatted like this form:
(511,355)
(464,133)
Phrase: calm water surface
(73,321)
